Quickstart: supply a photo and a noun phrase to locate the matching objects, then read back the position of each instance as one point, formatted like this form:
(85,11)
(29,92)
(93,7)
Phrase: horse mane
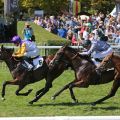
(76,51)
(9,50)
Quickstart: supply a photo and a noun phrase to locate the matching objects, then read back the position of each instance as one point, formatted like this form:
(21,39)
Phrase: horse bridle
(67,64)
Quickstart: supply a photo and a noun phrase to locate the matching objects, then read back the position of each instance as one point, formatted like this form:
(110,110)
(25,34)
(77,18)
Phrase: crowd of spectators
(80,28)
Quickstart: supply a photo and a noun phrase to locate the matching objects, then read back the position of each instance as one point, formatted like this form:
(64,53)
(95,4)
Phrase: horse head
(6,53)
(63,56)
(107,63)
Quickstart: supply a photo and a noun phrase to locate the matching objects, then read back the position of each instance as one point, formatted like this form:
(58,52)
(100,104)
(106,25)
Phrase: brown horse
(23,77)
(85,73)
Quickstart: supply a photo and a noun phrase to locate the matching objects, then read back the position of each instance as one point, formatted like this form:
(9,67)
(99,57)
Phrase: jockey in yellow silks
(28,49)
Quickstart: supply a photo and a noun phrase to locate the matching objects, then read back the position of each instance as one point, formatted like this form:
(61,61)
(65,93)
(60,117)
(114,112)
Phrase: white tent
(114,13)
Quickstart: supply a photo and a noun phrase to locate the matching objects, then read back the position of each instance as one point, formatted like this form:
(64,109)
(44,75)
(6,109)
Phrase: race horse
(86,73)
(23,77)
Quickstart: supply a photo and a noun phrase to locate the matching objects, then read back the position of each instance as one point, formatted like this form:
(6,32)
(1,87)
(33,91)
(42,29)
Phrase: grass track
(17,106)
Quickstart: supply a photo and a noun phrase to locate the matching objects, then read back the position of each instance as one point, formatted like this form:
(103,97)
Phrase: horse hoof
(2,98)
(93,104)
(52,98)
(75,101)
(30,103)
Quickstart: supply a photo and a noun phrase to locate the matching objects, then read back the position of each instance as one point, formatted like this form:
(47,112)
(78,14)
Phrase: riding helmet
(86,43)
(16,39)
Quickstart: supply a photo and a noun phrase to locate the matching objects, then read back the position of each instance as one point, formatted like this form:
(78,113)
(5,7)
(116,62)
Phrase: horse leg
(60,91)
(72,93)
(39,91)
(22,94)
(12,82)
(116,85)
(48,85)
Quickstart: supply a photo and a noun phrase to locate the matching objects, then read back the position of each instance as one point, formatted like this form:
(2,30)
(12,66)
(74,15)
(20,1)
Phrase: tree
(49,6)
(103,5)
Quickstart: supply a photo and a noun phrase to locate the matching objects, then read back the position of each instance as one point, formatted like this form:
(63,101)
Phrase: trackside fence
(44,50)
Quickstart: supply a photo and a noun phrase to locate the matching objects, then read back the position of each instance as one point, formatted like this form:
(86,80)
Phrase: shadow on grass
(60,104)
(93,108)
(110,108)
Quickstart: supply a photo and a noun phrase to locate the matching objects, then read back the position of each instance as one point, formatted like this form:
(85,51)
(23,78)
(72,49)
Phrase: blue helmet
(16,39)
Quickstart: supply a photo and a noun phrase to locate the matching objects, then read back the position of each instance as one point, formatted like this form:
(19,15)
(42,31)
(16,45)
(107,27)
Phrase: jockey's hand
(13,55)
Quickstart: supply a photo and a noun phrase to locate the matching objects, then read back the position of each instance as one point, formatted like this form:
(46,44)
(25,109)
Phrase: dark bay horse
(21,78)
(85,73)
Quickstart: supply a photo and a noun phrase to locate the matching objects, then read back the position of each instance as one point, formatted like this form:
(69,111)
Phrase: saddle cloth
(38,62)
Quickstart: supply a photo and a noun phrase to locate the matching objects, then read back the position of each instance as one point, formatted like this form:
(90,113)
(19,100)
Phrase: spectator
(27,31)
(70,33)
(62,32)
(36,20)
(86,33)
(117,40)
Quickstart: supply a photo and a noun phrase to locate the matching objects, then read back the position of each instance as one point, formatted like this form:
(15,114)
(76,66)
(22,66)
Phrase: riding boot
(27,63)
(95,62)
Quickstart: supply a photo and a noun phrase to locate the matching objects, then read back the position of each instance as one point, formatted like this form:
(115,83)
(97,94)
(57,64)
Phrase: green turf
(41,34)
(17,106)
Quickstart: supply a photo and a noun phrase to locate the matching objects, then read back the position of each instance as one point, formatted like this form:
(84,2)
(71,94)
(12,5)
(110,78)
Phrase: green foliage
(56,43)
(1,3)
(97,5)
(103,5)
(49,6)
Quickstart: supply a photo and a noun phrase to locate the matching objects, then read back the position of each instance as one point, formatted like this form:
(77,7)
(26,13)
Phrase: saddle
(32,63)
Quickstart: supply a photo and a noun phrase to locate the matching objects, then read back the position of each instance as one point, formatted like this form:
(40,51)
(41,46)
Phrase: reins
(74,56)
(14,59)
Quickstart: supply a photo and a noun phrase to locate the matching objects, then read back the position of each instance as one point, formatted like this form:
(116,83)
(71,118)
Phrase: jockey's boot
(28,65)
(95,62)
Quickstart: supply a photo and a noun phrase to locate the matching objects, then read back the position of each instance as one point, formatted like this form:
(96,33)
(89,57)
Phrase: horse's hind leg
(22,94)
(116,85)
(72,93)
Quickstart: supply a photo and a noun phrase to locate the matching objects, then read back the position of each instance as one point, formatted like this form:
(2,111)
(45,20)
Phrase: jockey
(28,50)
(98,49)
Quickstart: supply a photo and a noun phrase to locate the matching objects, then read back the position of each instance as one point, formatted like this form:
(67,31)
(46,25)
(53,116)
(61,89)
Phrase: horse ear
(65,45)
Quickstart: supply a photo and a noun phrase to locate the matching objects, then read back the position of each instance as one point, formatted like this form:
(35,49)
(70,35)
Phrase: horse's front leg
(116,85)
(39,91)
(12,82)
(60,91)
(48,85)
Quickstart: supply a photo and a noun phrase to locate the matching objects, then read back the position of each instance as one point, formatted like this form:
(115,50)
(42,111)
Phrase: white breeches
(103,53)
(32,54)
